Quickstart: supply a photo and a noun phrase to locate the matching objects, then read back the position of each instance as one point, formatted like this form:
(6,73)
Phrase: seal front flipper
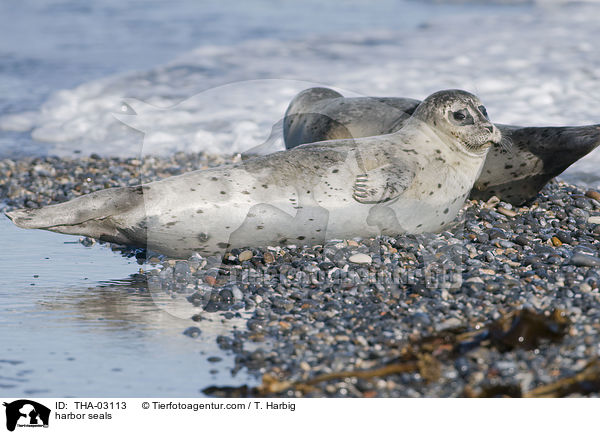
(382,184)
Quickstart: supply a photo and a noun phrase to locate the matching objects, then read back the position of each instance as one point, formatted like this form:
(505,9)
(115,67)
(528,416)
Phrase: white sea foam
(530,69)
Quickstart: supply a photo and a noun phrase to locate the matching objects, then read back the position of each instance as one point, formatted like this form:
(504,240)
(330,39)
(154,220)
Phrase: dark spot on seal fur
(199,211)
(222,192)
(301,238)
(223,245)
(446,211)
(335,171)
(202,237)
(214,178)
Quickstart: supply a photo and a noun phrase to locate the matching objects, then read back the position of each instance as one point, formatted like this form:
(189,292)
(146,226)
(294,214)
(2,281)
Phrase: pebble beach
(506,303)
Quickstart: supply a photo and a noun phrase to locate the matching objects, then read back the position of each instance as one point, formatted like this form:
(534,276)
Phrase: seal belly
(214,210)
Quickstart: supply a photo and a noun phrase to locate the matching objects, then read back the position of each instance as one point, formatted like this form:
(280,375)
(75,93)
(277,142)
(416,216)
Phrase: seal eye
(483,111)
(460,115)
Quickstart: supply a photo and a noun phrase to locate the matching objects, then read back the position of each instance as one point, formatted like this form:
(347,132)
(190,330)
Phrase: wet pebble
(360,258)
(584,260)
(192,332)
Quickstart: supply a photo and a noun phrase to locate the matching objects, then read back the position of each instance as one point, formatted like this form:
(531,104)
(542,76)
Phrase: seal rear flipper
(562,146)
(95,206)
(557,147)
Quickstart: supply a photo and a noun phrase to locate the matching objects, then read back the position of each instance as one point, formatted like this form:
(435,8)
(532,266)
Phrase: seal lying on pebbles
(515,174)
(414,180)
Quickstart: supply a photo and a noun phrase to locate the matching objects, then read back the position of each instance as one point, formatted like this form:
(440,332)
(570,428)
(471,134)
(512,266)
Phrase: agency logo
(24,413)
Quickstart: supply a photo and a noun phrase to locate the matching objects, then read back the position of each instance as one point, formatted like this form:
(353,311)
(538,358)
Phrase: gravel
(361,304)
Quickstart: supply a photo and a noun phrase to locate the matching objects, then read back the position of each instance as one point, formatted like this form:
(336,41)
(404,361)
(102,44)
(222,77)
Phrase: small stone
(496,233)
(594,220)
(522,240)
(506,212)
(268,257)
(584,260)
(450,323)
(564,237)
(245,255)
(212,281)
(531,259)
(556,242)
(360,258)
(352,243)
(482,237)
(492,202)
(593,194)
(87,241)
(192,332)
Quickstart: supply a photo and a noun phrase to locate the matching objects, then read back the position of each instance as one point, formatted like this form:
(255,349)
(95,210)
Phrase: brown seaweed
(524,329)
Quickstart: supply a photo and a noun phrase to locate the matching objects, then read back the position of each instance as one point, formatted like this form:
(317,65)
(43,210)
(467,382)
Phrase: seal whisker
(506,143)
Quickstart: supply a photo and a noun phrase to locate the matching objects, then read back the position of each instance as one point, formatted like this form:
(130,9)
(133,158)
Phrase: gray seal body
(413,180)
(514,173)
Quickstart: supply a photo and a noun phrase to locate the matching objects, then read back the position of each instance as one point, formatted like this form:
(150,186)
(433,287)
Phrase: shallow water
(74,324)
(196,73)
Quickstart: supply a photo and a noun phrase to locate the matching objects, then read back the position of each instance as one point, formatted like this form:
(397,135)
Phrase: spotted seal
(514,173)
(413,180)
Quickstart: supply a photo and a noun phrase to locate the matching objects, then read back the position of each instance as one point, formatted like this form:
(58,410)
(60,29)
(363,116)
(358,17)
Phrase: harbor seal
(514,173)
(413,180)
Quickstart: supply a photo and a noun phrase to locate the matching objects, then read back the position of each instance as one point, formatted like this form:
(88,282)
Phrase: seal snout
(20,218)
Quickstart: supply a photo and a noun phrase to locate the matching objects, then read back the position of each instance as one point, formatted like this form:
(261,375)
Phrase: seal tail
(90,215)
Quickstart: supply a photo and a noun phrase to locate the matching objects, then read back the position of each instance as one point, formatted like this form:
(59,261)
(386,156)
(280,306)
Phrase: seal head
(461,117)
